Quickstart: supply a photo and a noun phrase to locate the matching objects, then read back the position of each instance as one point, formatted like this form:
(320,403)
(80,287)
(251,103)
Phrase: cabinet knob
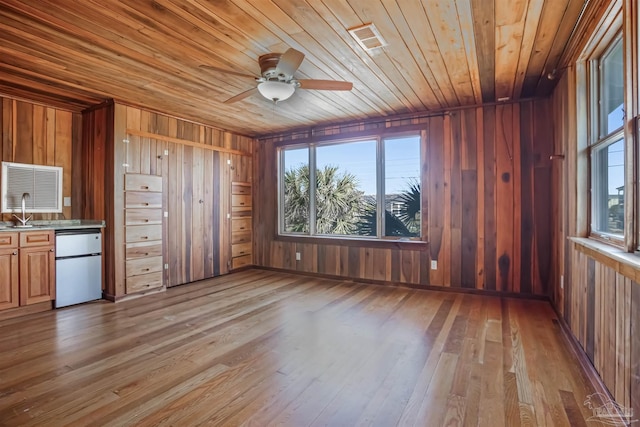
(52,250)
(15,253)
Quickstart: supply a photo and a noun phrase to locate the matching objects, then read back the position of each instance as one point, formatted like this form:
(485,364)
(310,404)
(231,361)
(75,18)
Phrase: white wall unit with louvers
(42,183)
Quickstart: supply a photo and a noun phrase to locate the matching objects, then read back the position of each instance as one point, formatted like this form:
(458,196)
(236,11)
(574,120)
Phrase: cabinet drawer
(136,267)
(143,250)
(143,216)
(241,249)
(240,237)
(240,224)
(240,200)
(36,238)
(143,233)
(240,188)
(135,182)
(143,282)
(141,199)
(8,240)
(241,261)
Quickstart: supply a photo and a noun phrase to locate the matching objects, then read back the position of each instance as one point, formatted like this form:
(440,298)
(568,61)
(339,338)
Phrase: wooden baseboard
(591,376)
(411,285)
(27,309)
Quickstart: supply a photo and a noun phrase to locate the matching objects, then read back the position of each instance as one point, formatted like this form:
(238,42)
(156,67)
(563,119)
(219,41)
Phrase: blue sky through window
(402,161)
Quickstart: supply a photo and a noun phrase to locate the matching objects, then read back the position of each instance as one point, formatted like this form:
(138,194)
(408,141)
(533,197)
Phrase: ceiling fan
(276,82)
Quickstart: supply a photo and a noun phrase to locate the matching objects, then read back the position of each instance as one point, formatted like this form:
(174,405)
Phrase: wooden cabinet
(27,268)
(37,266)
(143,233)
(9,284)
(241,225)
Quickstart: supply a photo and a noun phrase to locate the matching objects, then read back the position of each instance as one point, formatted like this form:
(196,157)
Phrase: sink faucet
(24,220)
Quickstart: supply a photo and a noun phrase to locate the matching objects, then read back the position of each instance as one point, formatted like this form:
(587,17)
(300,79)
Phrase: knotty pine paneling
(40,135)
(486,184)
(197,172)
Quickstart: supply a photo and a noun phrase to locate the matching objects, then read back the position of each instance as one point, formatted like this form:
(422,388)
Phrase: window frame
(380,140)
(597,138)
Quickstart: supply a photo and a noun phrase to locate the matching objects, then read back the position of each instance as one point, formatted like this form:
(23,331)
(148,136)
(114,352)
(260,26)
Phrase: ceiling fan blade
(290,61)
(241,96)
(225,71)
(325,84)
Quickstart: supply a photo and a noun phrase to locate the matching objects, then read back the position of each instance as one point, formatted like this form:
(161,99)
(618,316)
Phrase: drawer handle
(145,204)
(241,228)
(144,237)
(52,250)
(146,254)
(241,203)
(146,220)
(146,269)
(144,187)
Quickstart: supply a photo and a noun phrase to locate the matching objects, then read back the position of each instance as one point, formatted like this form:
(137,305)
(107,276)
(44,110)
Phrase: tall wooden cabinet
(166,235)
(241,225)
(143,232)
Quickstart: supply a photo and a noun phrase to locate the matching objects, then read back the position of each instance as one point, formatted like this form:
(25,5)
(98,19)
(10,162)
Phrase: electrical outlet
(434,264)
(297,256)
(67,201)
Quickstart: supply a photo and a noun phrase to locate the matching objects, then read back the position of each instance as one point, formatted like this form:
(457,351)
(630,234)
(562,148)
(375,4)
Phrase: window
(607,143)
(368,188)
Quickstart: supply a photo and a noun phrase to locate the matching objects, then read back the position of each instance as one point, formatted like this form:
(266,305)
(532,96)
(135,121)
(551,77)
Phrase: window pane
(346,189)
(402,186)
(612,90)
(295,207)
(608,189)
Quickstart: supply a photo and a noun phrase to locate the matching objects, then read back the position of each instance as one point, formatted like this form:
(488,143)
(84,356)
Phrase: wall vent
(43,183)
(368,37)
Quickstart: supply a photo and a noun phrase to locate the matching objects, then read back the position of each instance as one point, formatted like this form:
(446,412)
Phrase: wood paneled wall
(193,243)
(597,296)
(603,311)
(487,181)
(40,135)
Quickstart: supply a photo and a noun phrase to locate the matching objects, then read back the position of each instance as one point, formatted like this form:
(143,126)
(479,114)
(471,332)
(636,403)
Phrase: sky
(402,161)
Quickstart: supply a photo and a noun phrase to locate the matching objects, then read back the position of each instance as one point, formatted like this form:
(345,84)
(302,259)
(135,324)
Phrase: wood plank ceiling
(151,53)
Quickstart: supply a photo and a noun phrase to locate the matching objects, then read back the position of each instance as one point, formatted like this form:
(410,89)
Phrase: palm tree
(339,202)
(404,224)
(410,207)
(296,200)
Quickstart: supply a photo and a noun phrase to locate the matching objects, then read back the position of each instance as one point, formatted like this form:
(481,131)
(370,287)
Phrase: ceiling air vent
(368,37)
(42,183)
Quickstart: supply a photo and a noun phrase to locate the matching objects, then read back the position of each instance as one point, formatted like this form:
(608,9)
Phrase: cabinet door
(37,275)
(198,203)
(9,278)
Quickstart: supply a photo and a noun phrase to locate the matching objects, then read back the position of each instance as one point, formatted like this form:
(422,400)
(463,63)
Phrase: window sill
(410,245)
(625,263)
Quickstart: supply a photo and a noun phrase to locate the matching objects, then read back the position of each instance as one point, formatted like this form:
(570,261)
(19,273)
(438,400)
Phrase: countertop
(63,224)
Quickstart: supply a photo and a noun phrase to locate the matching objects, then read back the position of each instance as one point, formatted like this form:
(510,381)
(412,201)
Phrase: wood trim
(305,134)
(625,263)
(591,375)
(411,245)
(454,290)
(185,142)
(25,310)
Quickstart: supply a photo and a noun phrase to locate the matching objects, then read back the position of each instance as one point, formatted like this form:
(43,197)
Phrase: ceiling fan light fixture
(276,91)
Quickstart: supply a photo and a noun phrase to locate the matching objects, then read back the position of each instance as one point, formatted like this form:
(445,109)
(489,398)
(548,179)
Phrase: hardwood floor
(265,348)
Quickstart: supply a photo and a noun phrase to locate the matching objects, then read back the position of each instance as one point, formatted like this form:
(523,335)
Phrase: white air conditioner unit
(42,183)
